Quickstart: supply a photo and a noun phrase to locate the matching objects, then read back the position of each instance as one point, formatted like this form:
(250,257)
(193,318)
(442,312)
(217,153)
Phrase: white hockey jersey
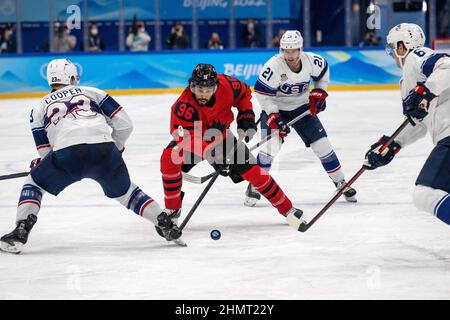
(279,88)
(433,69)
(78,115)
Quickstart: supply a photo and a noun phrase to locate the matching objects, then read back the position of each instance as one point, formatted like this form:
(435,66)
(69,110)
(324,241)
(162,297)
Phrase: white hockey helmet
(62,71)
(410,34)
(291,39)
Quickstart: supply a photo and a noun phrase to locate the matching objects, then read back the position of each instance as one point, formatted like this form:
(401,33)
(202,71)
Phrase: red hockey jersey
(188,114)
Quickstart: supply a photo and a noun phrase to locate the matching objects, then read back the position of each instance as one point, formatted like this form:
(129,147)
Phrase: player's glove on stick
(218,162)
(276,123)
(416,104)
(317,102)
(34,163)
(375,158)
(246,124)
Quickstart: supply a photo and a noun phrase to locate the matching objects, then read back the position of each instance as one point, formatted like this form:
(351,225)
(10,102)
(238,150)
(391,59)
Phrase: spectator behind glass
(276,39)
(7,40)
(178,38)
(63,42)
(95,43)
(370,39)
(251,35)
(138,39)
(214,42)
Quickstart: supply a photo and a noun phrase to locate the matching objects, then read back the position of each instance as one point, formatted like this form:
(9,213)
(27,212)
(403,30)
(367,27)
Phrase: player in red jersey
(199,124)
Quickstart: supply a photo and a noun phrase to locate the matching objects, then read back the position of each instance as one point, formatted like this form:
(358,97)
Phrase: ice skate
(252,196)
(13,242)
(349,193)
(167,226)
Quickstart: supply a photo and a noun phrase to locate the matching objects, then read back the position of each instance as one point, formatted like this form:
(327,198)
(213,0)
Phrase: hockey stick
(200,180)
(208,186)
(305,226)
(14,175)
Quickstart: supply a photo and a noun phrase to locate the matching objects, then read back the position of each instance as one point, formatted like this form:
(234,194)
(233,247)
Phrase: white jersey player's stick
(305,226)
(200,180)
(14,175)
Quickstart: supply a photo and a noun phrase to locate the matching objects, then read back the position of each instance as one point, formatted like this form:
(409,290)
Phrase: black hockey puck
(215,234)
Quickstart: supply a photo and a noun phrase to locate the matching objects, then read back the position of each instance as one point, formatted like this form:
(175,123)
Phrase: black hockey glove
(375,159)
(416,104)
(224,169)
(246,124)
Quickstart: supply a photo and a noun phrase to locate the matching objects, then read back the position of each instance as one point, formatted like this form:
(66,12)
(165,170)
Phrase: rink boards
(168,71)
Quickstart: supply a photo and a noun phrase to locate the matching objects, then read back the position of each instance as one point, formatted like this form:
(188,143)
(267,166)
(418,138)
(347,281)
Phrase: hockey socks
(267,186)
(330,162)
(140,203)
(442,210)
(30,199)
(172,179)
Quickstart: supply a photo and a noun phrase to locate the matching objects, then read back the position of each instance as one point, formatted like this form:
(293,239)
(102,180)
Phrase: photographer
(138,39)
(370,39)
(63,42)
(178,38)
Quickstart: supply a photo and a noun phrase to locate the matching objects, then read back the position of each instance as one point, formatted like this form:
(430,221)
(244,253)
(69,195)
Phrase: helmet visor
(390,47)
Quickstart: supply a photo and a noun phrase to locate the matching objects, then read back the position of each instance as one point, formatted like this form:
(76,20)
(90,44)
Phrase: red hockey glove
(276,123)
(34,163)
(317,102)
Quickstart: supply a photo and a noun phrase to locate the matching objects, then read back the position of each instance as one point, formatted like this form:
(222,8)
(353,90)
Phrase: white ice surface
(86,246)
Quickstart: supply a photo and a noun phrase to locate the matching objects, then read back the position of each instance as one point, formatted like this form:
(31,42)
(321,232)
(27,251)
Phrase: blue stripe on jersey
(264,88)
(108,106)
(324,70)
(40,137)
(428,65)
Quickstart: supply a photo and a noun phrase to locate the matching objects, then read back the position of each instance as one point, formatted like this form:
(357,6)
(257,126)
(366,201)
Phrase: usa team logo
(295,88)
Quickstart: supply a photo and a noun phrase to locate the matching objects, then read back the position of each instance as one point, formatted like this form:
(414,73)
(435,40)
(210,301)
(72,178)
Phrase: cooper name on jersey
(62,94)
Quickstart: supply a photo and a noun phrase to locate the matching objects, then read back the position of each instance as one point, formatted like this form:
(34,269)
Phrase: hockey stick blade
(196,180)
(303,227)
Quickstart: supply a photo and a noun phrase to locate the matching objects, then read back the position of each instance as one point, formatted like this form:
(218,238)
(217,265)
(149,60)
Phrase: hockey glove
(34,163)
(246,124)
(217,161)
(317,102)
(375,159)
(276,123)
(224,169)
(415,105)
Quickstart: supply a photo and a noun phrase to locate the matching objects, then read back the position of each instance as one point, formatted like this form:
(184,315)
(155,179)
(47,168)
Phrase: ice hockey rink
(86,246)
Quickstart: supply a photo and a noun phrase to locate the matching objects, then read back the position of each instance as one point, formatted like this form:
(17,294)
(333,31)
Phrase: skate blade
(14,249)
(179,242)
(250,202)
